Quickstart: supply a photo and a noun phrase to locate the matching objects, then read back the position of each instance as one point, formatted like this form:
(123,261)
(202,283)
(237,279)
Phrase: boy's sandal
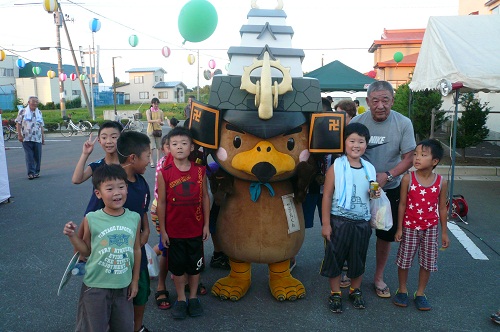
(30,177)
(163,303)
(345,281)
(202,290)
(383,292)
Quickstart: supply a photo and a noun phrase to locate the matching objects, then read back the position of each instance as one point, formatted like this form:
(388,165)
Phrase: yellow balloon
(191,59)
(2,55)
(51,74)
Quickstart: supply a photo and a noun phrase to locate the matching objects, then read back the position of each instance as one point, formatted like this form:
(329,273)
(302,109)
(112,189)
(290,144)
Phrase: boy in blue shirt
(111,234)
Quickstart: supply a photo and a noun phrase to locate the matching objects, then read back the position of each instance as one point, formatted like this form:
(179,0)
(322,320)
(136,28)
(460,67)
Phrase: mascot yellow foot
(283,285)
(236,284)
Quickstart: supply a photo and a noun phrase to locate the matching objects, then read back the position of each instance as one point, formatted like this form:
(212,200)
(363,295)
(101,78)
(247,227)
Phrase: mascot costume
(260,125)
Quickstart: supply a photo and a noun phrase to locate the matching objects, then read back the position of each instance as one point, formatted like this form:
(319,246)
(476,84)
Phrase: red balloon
(372,73)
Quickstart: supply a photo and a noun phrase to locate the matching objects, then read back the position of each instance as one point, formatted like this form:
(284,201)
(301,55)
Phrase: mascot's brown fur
(249,231)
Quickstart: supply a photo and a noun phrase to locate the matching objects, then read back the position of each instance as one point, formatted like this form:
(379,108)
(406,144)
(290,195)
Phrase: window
(143,95)
(6,72)
(76,92)
(139,79)
(163,95)
(157,78)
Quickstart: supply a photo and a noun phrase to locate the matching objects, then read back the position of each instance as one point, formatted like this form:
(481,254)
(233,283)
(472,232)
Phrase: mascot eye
(290,144)
(237,141)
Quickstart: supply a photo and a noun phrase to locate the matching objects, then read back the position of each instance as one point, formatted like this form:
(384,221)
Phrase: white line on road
(470,246)
(57,140)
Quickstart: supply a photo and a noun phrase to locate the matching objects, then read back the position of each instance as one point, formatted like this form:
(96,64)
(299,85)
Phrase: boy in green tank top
(111,240)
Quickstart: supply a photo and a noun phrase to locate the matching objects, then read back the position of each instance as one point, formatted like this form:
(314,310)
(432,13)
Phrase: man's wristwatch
(390,178)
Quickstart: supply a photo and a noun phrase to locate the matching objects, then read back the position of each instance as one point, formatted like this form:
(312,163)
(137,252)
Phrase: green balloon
(398,57)
(197,20)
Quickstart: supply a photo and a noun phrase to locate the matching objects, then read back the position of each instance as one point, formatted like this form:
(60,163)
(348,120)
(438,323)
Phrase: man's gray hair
(31,97)
(380,86)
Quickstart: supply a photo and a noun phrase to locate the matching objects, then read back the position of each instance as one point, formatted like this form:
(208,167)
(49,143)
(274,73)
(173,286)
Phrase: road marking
(470,246)
(57,140)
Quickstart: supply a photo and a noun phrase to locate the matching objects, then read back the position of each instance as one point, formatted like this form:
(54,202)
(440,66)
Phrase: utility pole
(114,83)
(58,17)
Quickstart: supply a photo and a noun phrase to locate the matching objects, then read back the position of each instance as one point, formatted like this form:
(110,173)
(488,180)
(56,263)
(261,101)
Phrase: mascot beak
(263,161)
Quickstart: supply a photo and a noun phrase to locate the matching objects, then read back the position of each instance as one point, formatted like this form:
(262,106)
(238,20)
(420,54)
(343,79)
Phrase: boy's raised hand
(88,145)
(69,229)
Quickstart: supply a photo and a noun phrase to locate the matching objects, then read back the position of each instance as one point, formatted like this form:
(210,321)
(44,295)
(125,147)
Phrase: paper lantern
(211,64)
(218,72)
(36,70)
(72,76)
(20,63)
(50,5)
(62,77)
(372,73)
(165,51)
(133,40)
(191,59)
(207,74)
(83,77)
(51,74)
(2,55)
(197,21)
(95,25)
(398,57)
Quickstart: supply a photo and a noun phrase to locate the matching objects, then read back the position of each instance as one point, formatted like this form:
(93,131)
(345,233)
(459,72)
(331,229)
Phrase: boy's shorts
(144,288)
(99,308)
(185,256)
(348,242)
(393,195)
(425,241)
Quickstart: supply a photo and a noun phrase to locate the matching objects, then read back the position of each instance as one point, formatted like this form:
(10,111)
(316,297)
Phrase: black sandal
(161,302)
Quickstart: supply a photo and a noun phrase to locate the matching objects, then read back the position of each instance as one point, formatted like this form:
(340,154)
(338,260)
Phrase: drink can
(373,189)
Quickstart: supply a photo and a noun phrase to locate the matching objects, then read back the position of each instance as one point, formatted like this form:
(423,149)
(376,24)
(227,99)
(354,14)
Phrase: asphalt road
(464,292)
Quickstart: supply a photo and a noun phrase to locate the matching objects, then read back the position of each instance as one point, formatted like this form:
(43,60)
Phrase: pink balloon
(63,77)
(165,51)
(211,64)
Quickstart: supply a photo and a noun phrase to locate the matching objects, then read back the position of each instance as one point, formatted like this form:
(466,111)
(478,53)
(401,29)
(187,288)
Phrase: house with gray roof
(147,83)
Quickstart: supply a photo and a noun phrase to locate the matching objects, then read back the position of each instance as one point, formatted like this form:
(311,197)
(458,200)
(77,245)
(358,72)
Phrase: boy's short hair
(180,131)
(326,103)
(131,142)
(107,172)
(356,102)
(357,128)
(435,146)
(110,124)
(174,122)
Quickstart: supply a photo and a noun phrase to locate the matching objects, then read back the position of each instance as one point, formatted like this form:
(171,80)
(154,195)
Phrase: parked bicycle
(69,128)
(9,129)
(132,124)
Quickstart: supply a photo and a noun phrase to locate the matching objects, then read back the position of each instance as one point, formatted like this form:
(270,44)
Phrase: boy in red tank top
(421,208)
(183,214)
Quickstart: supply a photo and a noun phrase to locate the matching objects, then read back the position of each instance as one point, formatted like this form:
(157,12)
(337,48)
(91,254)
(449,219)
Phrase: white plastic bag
(381,213)
(153,263)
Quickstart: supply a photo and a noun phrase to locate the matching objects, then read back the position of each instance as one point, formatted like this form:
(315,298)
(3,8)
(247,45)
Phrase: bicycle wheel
(6,133)
(136,126)
(86,128)
(66,129)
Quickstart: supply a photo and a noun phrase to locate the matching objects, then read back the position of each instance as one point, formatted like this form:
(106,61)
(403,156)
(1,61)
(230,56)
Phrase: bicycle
(9,129)
(69,128)
(132,124)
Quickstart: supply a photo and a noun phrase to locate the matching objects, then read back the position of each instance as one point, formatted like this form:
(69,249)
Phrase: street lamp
(114,83)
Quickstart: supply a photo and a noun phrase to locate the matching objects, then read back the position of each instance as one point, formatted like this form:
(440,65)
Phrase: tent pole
(453,153)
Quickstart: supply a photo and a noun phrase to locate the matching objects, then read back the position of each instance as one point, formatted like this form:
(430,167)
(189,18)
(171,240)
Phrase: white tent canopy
(463,49)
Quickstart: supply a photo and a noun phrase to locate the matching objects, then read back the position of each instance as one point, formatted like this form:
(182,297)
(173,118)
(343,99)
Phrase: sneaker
(421,302)
(194,307)
(335,303)
(221,262)
(293,263)
(179,310)
(143,329)
(400,299)
(357,299)
(495,318)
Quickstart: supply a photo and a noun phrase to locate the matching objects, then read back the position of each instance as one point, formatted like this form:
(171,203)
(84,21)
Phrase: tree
(471,127)
(423,102)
